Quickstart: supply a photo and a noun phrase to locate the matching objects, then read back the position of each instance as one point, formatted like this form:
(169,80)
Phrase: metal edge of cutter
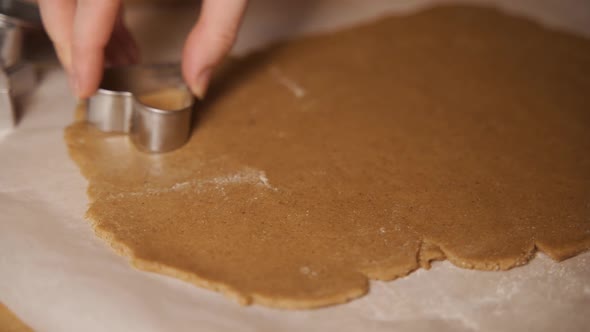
(116,107)
(17,77)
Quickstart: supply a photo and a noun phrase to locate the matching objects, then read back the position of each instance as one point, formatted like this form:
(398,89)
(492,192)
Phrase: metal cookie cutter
(121,105)
(17,77)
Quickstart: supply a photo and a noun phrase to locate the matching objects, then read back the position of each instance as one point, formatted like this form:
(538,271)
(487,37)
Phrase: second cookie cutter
(18,19)
(118,106)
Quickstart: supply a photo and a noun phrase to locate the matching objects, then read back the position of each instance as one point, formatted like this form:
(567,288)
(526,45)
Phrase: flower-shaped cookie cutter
(119,106)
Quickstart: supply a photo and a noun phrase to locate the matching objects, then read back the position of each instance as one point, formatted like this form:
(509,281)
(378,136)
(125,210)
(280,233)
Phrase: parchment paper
(57,276)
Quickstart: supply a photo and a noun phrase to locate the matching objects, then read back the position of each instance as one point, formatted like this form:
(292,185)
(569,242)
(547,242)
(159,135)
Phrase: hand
(210,40)
(85,31)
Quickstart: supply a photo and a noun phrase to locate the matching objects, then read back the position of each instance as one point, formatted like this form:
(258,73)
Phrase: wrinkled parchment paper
(57,276)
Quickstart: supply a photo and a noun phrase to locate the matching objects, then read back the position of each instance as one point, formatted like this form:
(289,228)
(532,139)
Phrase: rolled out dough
(457,133)
(10,323)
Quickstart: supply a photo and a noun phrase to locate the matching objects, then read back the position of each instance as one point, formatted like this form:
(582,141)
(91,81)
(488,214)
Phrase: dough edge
(426,254)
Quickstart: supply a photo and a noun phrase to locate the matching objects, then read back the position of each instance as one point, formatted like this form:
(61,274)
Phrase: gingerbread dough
(10,323)
(456,133)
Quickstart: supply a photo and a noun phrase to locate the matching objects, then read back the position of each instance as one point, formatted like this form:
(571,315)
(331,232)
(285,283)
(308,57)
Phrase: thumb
(209,41)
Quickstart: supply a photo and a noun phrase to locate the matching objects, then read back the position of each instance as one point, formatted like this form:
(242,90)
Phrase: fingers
(58,19)
(210,40)
(93,25)
(80,31)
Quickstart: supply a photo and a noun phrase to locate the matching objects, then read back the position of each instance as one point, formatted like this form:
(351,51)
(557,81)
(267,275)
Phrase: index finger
(58,19)
(93,25)
(210,40)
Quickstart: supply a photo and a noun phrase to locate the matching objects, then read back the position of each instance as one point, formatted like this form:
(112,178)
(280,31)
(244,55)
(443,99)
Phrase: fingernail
(199,88)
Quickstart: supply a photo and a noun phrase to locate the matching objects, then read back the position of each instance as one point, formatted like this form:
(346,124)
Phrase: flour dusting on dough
(247,175)
(288,83)
(306,270)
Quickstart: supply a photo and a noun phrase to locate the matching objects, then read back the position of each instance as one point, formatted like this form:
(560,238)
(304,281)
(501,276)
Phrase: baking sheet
(57,276)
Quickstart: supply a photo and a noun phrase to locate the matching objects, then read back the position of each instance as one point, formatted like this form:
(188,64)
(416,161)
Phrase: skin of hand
(87,34)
